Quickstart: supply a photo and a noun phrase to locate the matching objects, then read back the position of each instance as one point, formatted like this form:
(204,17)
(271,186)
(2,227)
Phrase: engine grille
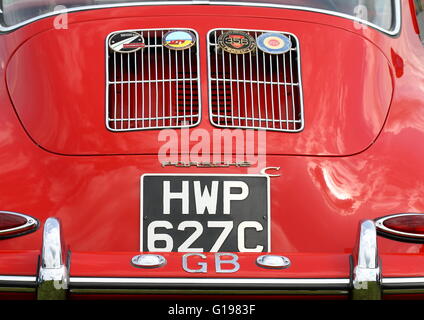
(257,89)
(154,87)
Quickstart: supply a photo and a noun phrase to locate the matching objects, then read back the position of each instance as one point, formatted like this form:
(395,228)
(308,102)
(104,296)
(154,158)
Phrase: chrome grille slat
(135,89)
(265,87)
(170,88)
(142,88)
(115,105)
(163,83)
(176,84)
(271,84)
(231,90)
(291,77)
(286,91)
(150,80)
(152,88)
(129,88)
(191,87)
(156,77)
(244,88)
(225,89)
(122,89)
(251,90)
(279,92)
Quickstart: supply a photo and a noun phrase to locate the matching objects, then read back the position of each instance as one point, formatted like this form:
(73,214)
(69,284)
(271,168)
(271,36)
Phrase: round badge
(274,43)
(179,40)
(236,42)
(126,42)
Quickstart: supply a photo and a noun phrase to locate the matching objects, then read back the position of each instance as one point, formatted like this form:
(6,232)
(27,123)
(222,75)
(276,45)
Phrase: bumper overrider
(356,276)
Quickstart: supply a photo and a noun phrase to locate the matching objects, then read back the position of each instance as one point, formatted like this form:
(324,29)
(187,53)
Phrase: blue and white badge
(273,43)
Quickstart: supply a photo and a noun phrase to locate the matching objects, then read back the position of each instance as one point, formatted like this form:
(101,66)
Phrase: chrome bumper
(53,281)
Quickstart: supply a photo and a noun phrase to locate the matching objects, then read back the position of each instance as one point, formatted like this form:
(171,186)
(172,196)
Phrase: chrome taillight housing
(403,227)
(14,224)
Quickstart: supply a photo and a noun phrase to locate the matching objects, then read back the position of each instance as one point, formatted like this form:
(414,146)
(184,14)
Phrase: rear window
(419,10)
(380,13)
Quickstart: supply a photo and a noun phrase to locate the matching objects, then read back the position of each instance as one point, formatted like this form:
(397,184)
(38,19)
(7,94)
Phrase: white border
(393,32)
(209,175)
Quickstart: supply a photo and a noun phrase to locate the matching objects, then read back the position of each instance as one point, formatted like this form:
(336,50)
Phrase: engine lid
(57,82)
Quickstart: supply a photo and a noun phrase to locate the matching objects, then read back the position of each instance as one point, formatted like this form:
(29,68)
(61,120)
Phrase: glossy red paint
(113,264)
(19,262)
(369,165)
(398,264)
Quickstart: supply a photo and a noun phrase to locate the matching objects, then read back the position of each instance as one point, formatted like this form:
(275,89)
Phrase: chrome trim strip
(18,281)
(380,225)
(366,272)
(393,32)
(211,292)
(53,274)
(210,282)
(389,283)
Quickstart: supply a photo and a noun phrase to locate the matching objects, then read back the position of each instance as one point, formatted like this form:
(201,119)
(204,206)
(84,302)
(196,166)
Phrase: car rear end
(214,151)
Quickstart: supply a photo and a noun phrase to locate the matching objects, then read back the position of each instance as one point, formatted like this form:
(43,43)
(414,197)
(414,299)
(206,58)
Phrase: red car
(261,149)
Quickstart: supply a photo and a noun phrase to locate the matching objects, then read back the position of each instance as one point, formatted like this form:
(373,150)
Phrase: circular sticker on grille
(236,42)
(126,42)
(179,40)
(274,43)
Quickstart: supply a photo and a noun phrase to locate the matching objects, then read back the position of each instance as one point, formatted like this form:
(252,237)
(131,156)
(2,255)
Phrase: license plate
(205,213)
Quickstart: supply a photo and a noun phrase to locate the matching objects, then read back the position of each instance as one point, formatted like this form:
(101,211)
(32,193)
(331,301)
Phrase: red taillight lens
(9,221)
(406,226)
(16,224)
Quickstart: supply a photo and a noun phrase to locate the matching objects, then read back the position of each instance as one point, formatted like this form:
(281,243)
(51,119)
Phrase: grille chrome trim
(267,114)
(154,72)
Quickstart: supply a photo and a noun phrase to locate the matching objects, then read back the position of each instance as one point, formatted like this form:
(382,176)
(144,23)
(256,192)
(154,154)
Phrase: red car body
(358,157)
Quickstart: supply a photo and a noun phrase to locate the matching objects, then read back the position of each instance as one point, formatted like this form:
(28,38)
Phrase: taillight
(404,227)
(16,224)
